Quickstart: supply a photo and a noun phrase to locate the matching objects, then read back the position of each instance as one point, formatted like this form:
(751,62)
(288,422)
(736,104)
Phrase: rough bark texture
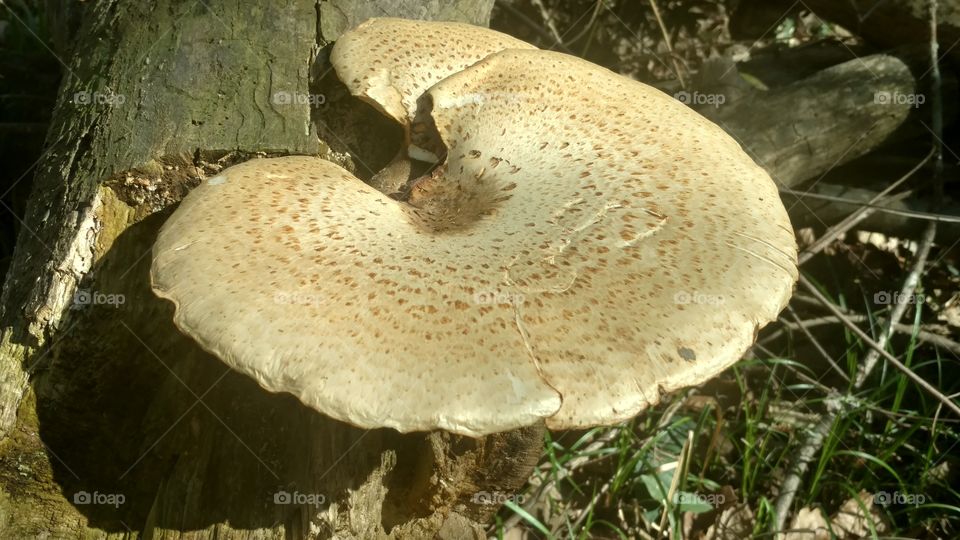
(803,129)
(113,424)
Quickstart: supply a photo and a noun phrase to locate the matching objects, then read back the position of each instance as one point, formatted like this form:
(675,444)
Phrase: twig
(819,432)
(811,445)
(679,475)
(590,23)
(916,214)
(878,346)
(548,20)
(925,336)
(910,285)
(936,104)
(534,26)
(895,417)
(589,508)
(859,215)
(666,40)
(816,343)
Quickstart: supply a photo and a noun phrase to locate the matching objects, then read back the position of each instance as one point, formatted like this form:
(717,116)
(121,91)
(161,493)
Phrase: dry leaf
(807,524)
(851,521)
(516,533)
(734,523)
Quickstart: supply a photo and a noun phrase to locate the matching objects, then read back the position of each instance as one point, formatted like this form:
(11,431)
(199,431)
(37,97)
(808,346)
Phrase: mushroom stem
(505,462)
(423,139)
(392,178)
(480,474)
(421,153)
(440,201)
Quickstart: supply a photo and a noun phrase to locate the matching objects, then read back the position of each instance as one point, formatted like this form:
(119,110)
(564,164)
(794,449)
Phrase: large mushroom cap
(391,62)
(587,243)
(648,246)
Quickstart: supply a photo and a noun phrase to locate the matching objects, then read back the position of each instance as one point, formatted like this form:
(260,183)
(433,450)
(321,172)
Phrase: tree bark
(113,423)
(806,128)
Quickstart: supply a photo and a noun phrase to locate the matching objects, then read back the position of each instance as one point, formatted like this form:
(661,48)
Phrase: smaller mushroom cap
(391,62)
(298,274)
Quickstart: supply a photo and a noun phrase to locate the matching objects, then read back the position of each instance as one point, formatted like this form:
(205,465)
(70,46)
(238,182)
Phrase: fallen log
(803,112)
(803,129)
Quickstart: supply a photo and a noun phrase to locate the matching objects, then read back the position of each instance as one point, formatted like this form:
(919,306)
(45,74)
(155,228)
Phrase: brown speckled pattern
(648,246)
(600,241)
(391,62)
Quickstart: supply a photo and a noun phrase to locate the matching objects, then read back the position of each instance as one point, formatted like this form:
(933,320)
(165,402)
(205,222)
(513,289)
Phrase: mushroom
(586,243)
(390,62)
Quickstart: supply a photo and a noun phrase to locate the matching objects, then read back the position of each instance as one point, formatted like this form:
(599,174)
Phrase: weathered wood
(142,101)
(115,424)
(803,129)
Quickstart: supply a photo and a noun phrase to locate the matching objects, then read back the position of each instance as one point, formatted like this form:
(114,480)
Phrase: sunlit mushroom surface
(587,243)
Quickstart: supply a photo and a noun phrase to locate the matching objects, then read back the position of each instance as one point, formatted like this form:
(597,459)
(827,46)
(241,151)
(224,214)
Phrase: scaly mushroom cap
(391,62)
(298,274)
(648,247)
(588,243)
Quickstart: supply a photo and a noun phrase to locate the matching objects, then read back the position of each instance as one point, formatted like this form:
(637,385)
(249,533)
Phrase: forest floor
(711,462)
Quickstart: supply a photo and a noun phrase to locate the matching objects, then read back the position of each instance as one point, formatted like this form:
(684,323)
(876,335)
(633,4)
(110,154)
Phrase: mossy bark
(113,424)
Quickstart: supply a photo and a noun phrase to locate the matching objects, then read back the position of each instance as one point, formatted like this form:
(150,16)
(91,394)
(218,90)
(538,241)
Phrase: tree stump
(114,424)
